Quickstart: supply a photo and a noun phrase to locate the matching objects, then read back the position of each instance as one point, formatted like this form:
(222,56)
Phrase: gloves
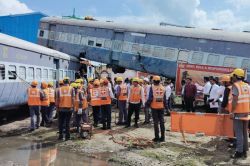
(79,111)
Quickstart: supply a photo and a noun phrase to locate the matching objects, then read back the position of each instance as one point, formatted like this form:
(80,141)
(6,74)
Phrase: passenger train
(152,49)
(21,62)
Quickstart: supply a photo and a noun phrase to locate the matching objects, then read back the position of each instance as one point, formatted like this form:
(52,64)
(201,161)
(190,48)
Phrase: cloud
(239,4)
(186,13)
(13,7)
(177,12)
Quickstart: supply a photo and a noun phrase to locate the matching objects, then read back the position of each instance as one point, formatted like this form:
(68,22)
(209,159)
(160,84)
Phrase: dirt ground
(121,146)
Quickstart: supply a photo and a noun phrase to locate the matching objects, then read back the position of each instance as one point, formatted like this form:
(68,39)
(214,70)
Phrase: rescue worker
(65,98)
(83,90)
(44,104)
(73,85)
(240,111)
(78,106)
(90,84)
(52,101)
(56,92)
(146,88)
(34,103)
(106,95)
(95,102)
(141,82)
(122,96)
(225,105)
(135,99)
(156,100)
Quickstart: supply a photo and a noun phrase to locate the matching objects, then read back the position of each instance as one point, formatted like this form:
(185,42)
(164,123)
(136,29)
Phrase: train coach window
(31,73)
(12,72)
(158,52)
(99,42)
(2,72)
(54,74)
(183,55)
(245,64)
(170,54)
(84,40)
(38,74)
(65,74)
(60,74)
(41,33)
(197,57)
(22,72)
(213,59)
(50,74)
(126,47)
(108,44)
(45,74)
(91,42)
(146,50)
(229,62)
(136,48)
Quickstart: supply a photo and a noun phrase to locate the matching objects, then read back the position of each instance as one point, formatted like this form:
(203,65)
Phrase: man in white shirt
(206,90)
(146,88)
(213,96)
(168,95)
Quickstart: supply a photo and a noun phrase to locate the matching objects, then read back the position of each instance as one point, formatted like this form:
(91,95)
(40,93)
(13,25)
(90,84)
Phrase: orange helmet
(34,83)
(61,82)
(97,82)
(225,78)
(156,78)
(44,85)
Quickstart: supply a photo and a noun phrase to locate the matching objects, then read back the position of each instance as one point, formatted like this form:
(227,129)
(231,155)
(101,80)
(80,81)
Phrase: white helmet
(146,79)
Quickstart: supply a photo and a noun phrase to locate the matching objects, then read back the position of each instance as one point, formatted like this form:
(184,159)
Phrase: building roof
(22,44)
(24,14)
(199,33)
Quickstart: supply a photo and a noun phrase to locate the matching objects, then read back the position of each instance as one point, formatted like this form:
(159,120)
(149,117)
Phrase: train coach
(151,49)
(22,61)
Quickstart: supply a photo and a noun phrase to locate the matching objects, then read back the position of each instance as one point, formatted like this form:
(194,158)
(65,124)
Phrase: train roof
(199,33)
(22,44)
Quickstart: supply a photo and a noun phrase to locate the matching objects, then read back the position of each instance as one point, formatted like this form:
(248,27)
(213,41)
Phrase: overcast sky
(230,15)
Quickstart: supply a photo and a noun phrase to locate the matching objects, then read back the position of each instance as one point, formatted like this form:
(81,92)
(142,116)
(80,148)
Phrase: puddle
(16,151)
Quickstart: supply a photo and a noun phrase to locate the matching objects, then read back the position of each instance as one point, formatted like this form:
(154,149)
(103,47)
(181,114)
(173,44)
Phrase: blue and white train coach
(21,62)
(152,49)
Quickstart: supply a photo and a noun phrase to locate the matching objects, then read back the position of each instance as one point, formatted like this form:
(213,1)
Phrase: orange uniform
(51,95)
(123,93)
(65,100)
(158,97)
(135,94)
(105,95)
(84,102)
(34,97)
(95,99)
(45,101)
(243,102)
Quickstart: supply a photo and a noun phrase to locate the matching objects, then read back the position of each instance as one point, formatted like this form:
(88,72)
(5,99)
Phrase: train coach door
(52,36)
(56,66)
(117,46)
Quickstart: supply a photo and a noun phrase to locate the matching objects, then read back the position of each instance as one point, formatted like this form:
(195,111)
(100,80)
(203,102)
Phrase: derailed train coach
(21,62)
(152,49)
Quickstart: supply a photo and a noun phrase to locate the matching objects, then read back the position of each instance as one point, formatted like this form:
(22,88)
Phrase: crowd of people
(132,96)
(76,98)
(230,94)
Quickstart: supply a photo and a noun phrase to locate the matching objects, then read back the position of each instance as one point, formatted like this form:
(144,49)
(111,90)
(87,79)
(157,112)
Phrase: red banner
(197,73)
